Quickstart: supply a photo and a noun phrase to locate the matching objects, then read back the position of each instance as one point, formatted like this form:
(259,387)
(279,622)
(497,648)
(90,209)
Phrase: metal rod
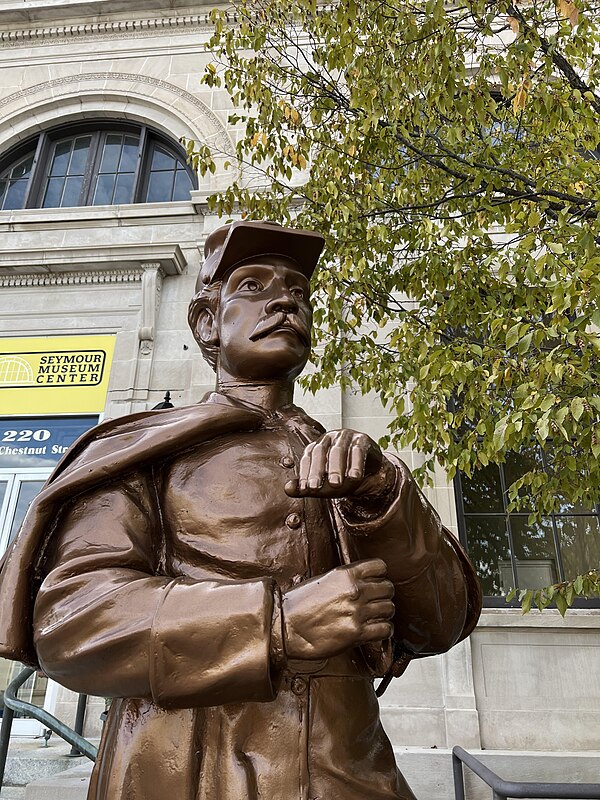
(79,720)
(459,778)
(12,702)
(7,720)
(535,791)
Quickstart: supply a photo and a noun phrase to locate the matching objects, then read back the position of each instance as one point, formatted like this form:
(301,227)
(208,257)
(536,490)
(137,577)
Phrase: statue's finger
(317,465)
(357,456)
(338,457)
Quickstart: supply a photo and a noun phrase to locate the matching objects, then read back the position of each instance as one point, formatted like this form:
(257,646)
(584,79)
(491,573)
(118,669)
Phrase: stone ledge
(549,618)
(107,216)
(61,259)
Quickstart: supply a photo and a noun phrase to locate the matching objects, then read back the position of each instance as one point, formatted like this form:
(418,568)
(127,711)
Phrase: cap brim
(248,239)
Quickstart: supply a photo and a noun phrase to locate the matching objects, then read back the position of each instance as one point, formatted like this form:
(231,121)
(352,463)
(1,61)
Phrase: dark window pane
(80,155)
(129,154)
(104,190)
(536,556)
(3,486)
(72,191)
(565,506)
(579,539)
(183,185)
(162,159)
(13,186)
(27,491)
(60,161)
(517,464)
(124,188)
(489,553)
(15,197)
(482,491)
(160,187)
(22,169)
(111,153)
(53,193)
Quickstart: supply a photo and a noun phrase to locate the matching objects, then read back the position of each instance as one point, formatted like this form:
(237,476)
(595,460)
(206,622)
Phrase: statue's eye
(297,292)
(251,285)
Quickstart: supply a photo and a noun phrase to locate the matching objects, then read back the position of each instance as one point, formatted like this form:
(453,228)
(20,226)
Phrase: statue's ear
(206,327)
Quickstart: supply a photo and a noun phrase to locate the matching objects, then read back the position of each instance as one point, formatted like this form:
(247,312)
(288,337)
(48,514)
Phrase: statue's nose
(284,301)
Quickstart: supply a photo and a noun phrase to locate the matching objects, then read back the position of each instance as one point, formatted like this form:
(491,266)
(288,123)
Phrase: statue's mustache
(281,320)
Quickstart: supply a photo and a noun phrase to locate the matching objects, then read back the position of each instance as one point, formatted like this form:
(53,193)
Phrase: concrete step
(12,793)
(69,785)
(29,760)
(428,772)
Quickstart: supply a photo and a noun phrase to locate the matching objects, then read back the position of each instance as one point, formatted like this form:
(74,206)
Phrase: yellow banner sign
(54,375)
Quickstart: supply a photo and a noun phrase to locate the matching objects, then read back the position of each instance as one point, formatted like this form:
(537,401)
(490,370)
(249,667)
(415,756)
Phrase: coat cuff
(210,643)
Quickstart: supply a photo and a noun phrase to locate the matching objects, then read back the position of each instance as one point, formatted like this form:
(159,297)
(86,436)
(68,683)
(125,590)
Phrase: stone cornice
(108,29)
(66,259)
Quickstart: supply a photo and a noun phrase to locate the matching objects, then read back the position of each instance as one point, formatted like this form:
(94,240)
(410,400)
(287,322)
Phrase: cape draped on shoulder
(100,456)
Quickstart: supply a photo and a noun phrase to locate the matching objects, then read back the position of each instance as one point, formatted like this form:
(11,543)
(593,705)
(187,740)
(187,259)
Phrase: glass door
(17,490)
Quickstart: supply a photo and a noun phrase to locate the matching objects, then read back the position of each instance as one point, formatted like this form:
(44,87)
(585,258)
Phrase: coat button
(287,462)
(293,521)
(299,686)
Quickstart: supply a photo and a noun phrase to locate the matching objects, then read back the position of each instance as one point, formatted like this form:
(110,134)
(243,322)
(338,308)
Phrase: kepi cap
(230,245)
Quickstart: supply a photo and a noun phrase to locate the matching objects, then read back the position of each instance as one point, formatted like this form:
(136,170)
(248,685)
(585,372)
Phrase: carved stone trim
(71,278)
(220,135)
(151,287)
(106,30)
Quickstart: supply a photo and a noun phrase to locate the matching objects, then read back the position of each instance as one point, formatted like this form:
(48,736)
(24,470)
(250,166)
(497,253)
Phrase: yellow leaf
(295,116)
(254,139)
(520,98)
(568,10)
(513,24)
(351,150)
(264,139)
(301,162)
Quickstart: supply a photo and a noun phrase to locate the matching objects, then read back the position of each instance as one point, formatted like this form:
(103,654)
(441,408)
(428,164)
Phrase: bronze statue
(232,574)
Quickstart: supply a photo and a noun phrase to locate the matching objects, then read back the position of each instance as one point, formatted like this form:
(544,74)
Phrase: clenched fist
(341,464)
(346,607)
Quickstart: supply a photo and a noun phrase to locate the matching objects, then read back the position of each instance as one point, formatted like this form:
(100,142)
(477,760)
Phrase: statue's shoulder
(132,442)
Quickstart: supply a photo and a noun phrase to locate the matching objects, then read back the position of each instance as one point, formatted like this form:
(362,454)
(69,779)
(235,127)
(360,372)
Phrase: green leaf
(577,407)
(526,601)
(512,336)
(561,604)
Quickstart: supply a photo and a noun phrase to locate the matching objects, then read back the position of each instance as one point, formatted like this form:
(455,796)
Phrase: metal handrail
(502,789)
(12,704)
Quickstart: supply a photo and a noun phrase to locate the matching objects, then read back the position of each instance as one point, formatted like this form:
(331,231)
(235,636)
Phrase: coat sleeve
(438,598)
(107,623)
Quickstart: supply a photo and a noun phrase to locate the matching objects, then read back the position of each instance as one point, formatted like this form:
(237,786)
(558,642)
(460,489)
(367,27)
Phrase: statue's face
(264,320)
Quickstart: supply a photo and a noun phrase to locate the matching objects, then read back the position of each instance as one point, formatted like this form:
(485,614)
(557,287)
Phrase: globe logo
(15,370)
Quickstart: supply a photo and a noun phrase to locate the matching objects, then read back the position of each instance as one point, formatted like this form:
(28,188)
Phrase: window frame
(499,601)
(42,146)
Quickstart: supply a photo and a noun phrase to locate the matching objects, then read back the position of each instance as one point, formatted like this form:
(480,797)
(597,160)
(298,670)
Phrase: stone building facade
(126,270)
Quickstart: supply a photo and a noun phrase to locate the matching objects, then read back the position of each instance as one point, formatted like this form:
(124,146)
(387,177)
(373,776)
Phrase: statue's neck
(268,395)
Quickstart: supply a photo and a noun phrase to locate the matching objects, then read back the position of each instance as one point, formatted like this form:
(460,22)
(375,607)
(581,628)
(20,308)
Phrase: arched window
(105,163)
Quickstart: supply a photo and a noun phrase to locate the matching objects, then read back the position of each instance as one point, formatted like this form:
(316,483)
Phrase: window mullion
(555,537)
(141,166)
(39,167)
(513,557)
(91,169)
